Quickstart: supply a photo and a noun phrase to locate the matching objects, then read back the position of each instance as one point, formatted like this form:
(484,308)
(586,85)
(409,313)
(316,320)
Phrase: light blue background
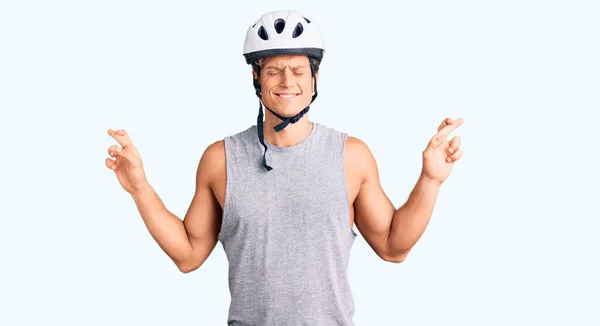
(514,236)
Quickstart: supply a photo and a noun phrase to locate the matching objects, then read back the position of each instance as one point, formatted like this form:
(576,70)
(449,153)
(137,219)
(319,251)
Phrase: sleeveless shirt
(286,232)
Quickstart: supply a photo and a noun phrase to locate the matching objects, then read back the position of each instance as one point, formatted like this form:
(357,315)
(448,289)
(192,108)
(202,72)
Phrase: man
(283,197)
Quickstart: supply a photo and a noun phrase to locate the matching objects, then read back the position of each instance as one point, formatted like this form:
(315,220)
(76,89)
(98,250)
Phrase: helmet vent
(279,25)
(298,30)
(308,21)
(262,33)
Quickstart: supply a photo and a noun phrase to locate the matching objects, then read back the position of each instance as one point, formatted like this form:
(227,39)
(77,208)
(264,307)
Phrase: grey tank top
(286,232)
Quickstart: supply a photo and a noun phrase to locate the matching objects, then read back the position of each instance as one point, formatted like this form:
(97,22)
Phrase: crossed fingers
(121,136)
(444,129)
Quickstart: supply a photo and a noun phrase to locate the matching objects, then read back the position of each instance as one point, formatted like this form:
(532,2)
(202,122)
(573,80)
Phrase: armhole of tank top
(226,200)
(345,183)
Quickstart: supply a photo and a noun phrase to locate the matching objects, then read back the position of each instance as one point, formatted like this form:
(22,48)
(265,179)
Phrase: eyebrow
(293,68)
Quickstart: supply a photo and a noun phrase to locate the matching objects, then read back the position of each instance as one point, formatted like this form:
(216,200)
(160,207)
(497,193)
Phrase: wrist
(141,190)
(429,181)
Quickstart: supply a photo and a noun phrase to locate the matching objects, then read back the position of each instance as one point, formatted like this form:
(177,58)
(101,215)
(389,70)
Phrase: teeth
(287,95)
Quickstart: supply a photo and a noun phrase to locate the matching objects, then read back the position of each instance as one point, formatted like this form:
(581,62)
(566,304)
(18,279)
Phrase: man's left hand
(440,154)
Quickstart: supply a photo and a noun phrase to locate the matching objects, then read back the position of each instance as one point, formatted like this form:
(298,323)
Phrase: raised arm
(189,242)
(391,232)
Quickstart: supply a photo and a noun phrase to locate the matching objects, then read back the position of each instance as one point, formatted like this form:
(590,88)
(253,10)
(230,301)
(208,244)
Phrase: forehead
(286,60)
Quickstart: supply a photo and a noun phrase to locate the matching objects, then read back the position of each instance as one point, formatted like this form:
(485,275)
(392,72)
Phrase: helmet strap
(261,135)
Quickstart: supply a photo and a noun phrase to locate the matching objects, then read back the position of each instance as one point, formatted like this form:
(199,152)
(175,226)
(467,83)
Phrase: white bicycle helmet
(280,33)
(283,32)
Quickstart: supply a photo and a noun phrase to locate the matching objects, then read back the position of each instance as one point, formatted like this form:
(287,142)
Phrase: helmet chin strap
(285,120)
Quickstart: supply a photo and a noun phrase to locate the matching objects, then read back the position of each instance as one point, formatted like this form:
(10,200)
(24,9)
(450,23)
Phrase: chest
(288,191)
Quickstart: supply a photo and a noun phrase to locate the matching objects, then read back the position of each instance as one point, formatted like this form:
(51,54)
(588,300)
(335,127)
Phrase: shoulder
(212,163)
(357,149)
(356,145)
(215,151)
(212,167)
(353,146)
(359,158)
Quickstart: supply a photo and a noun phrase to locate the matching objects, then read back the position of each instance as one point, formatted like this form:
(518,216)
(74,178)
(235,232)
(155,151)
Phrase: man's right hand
(127,164)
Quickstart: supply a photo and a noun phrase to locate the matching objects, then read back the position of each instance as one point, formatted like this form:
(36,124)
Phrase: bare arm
(189,242)
(203,218)
(373,210)
(391,233)
(411,219)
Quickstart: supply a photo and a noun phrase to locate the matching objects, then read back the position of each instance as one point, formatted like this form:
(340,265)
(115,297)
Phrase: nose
(287,78)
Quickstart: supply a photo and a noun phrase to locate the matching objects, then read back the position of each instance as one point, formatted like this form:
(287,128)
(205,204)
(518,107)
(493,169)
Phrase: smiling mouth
(287,95)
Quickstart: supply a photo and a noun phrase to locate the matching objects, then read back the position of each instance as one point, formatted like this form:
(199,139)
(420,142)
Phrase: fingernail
(448,159)
(119,149)
(451,150)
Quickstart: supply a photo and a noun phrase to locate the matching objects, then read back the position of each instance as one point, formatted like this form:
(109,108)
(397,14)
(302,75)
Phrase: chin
(287,109)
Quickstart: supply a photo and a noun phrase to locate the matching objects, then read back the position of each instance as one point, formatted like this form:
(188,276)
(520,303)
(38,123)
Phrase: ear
(254,75)
(317,76)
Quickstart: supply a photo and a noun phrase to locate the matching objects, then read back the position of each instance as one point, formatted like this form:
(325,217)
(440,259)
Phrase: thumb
(127,155)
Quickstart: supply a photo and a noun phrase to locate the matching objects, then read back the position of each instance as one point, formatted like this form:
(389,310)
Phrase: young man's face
(286,83)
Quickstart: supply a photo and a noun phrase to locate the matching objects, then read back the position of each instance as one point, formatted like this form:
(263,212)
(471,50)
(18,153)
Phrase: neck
(291,135)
